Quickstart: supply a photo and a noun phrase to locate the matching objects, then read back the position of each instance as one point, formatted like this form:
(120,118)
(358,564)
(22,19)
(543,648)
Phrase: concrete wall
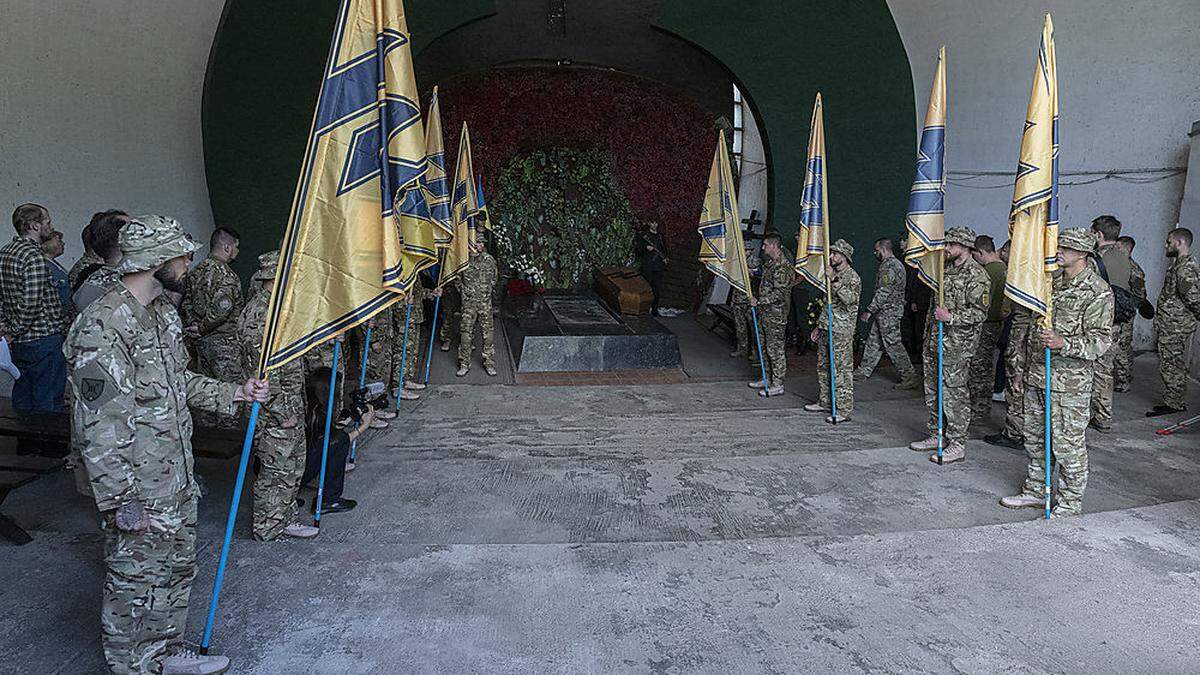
(1189,217)
(101,109)
(1128,94)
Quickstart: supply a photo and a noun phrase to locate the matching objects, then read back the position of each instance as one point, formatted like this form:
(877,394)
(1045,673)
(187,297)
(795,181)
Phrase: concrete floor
(671,528)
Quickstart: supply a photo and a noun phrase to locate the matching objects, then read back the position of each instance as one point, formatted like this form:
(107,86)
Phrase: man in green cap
(279,442)
(774,294)
(130,391)
(966,296)
(476,285)
(845,288)
(883,315)
(1080,333)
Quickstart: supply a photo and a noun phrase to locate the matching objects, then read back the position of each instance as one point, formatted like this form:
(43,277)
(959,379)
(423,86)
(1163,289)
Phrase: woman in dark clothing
(316,398)
(654,262)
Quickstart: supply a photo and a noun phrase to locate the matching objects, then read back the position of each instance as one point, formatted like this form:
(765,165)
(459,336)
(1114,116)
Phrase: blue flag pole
(437,306)
(404,354)
(225,545)
(337,349)
(1046,441)
(362,382)
(832,368)
(758,340)
(941,431)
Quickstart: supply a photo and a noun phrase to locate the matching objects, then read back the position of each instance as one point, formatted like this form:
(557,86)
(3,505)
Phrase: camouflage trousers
(742,328)
(280,454)
(410,352)
(449,312)
(147,582)
(773,322)
(220,357)
(1172,368)
(1069,413)
(956,395)
(1123,358)
(983,371)
(843,363)
(885,337)
(381,354)
(476,311)
(1102,384)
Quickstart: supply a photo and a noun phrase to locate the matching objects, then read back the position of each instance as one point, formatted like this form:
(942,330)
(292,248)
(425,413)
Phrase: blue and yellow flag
(1033,220)
(926,217)
(434,179)
(812,239)
(722,249)
(464,204)
(341,257)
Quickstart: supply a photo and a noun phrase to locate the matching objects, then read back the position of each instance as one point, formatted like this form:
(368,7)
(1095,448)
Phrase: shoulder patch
(95,386)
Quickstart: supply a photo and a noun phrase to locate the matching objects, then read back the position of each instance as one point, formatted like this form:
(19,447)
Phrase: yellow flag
(435,180)
(463,206)
(812,240)
(341,256)
(1033,220)
(926,218)
(722,250)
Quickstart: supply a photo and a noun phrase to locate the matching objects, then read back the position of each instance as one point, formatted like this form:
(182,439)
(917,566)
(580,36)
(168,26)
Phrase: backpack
(1126,305)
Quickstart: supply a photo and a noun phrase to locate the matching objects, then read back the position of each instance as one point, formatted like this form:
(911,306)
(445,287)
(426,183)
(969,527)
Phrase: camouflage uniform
(130,397)
(1014,364)
(415,319)
(476,285)
(1082,314)
(741,326)
(886,309)
(212,300)
(1123,358)
(1116,264)
(774,296)
(1177,313)
(967,293)
(85,261)
(280,450)
(983,362)
(381,361)
(846,291)
(451,313)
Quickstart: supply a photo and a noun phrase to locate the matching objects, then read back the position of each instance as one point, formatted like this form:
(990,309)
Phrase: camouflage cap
(149,241)
(1078,239)
(842,246)
(267,263)
(961,235)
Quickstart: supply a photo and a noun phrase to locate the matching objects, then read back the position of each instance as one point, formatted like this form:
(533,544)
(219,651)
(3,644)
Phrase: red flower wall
(661,140)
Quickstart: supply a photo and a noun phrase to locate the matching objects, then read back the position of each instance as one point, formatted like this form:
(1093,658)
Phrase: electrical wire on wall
(1136,176)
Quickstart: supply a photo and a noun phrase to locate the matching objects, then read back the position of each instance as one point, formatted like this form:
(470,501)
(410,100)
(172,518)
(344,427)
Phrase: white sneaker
(490,370)
(757,384)
(406,395)
(462,371)
(414,386)
(301,531)
(188,662)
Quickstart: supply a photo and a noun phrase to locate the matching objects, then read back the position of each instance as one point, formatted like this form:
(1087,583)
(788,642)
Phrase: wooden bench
(9,481)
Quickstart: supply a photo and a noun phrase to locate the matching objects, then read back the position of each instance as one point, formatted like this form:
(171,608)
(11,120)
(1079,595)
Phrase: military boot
(955,452)
(1022,501)
(757,384)
(462,371)
(188,662)
(777,390)
(815,407)
(924,445)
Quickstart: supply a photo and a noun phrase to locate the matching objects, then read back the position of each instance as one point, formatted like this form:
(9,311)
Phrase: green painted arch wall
(268,54)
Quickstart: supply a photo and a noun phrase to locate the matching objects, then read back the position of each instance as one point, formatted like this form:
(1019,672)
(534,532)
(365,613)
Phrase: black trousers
(335,464)
(655,279)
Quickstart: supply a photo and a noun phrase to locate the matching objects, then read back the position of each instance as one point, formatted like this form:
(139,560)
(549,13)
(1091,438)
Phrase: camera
(372,396)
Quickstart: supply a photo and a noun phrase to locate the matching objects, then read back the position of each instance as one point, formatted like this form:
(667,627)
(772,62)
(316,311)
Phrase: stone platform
(577,332)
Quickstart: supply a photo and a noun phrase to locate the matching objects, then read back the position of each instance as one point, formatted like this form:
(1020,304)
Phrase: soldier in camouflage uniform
(279,442)
(212,301)
(883,314)
(416,300)
(966,298)
(1013,435)
(1081,317)
(845,289)
(774,296)
(476,284)
(1178,311)
(983,362)
(130,397)
(1123,358)
(1117,267)
(740,305)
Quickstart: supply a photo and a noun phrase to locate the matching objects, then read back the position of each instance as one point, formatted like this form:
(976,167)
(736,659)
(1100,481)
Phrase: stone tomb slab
(574,332)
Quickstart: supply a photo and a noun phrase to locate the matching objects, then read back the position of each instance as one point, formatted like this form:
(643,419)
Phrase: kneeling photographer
(316,397)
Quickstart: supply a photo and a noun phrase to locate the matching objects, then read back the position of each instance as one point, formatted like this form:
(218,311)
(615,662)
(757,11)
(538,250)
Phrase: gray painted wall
(1129,89)
(101,109)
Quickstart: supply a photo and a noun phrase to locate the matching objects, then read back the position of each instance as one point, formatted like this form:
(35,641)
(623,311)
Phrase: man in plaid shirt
(31,314)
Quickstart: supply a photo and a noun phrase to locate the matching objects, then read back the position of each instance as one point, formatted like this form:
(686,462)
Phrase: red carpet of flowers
(661,139)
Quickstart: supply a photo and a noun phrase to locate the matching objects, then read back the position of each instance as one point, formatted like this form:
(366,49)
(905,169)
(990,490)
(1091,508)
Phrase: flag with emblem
(925,221)
(434,178)
(342,260)
(722,250)
(1033,219)
(812,239)
(464,204)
